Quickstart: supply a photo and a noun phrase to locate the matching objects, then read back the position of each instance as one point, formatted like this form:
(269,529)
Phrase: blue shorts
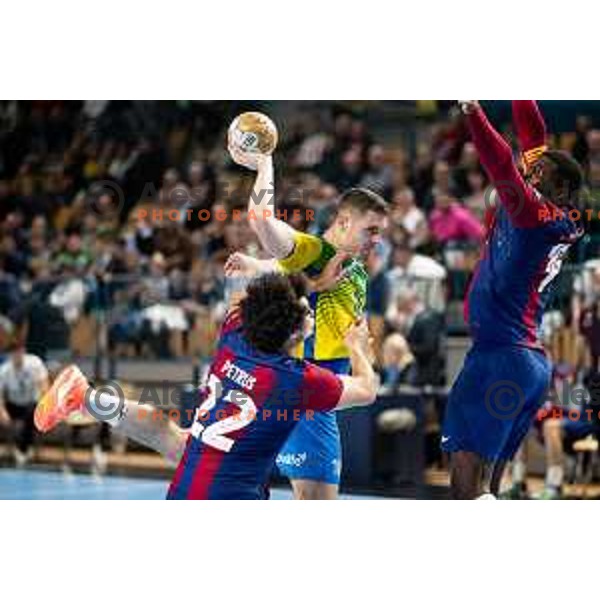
(580,428)
(313,450)
(494,400)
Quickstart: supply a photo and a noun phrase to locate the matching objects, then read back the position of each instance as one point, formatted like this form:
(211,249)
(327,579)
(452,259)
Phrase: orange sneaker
(66,396)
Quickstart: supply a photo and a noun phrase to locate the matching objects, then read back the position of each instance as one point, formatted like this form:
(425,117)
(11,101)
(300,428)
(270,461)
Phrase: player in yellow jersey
(311,458)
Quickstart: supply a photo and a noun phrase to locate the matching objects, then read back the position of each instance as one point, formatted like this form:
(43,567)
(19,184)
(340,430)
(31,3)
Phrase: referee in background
(23,380)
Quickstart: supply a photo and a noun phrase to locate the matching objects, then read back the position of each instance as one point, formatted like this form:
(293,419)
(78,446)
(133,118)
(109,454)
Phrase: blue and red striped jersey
(528,236)
(255,399)
(512,284)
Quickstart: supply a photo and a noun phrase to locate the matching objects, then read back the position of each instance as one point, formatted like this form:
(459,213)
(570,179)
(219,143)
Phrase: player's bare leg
(305,489)
(553,445)
(71,392)
(470,476)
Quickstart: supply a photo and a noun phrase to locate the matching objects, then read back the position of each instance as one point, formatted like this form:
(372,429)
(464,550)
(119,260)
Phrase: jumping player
(528,238)
(257,393)
(311,458)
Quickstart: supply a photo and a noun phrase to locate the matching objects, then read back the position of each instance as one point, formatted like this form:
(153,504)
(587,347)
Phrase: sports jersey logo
(291,459)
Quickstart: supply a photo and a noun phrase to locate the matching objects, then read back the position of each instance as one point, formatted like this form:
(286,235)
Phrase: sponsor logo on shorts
(291,459)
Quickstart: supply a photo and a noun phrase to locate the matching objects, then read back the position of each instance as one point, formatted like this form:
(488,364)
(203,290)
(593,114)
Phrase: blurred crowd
(88,230)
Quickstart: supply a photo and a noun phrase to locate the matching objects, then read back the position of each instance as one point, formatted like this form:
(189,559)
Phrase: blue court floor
(46,485)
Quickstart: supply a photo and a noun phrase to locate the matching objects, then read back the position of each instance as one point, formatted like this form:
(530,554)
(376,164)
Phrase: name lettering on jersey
(237,375)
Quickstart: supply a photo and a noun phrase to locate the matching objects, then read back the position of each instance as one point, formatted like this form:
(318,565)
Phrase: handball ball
(253,132)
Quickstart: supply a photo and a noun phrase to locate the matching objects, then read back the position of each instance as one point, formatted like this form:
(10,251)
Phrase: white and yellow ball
(253,132)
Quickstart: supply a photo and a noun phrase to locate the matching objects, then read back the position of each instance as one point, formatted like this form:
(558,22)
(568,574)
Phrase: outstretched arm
(276,236)
(239,268)
(497,159)
(322,390)
(530,129)
(361,387)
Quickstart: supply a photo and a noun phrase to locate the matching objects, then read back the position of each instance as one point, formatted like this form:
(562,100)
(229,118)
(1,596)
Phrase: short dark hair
(363,200)
(271,312)
(567,172)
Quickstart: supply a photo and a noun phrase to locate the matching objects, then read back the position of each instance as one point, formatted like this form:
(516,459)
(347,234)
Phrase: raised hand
(331,274)
(468,106)
(358,337)
(240,265)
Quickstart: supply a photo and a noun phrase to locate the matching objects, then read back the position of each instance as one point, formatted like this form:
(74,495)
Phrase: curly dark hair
(272,312)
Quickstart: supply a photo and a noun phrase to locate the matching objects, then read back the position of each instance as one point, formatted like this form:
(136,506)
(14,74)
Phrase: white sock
(106,407)
(519,471)
(486,496)
(554,476)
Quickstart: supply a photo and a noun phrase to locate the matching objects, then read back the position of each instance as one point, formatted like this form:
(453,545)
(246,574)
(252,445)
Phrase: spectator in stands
(410,270)
(560,425)
(202,184)
(351,168)
(322,201)
(469,161)
(452,222)
(406,214)
(423,328)
(398,364)
(442,185)
(172,241)
(478,197)
(312,149)
(13,258)
(23,379)
(69,295)
(590,329)
(422,176)
(586,289)
(378,175)
(47,333)
(73,255)
(10,294)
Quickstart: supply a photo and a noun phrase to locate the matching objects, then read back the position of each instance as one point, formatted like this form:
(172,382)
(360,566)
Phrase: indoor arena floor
(31,484)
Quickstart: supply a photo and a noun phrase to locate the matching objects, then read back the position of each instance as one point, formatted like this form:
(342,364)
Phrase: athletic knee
(309,490)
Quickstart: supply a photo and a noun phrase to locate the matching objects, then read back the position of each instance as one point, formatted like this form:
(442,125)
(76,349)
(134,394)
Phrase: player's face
(361,232)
